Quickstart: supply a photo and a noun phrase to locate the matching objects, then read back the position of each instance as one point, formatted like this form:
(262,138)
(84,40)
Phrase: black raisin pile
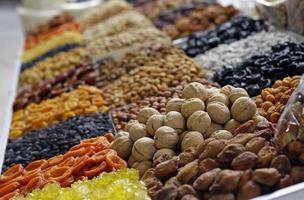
(56,139)
(261,71)
(238,28)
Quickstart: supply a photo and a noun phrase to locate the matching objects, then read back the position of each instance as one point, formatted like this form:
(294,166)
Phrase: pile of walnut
(201,113)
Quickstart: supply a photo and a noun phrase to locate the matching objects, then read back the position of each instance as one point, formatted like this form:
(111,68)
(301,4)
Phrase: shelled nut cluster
(84,100)
(117,24)
(144,81)
(187,123)
(272,101)
(53,66)
(193,17)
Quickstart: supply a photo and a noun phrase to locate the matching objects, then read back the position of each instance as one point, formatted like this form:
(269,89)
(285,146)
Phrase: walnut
(226,181)
(231,125)
(227,90)
(174,104)
(213,127)
(129,124)
(165,137)
(236,93)
(137,131)
(195,90)
(249,190)
(218,112)
(222,134)
(142,167)
(204,181)
(123,146)
(191,139)
(143,149)
(145,113)
(243,161)
(162,155)
(230,152)
(175,120)
(199,121)
(218,97)
(192,105)
(155,122)
(131,161)
(243,109)
(188,173)
(121,133)
(266,176)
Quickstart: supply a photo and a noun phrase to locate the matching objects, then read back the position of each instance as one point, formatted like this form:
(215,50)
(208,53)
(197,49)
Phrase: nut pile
(114,46)
(83,161)
(84,100)
(272,101)
(236,29)
(240,51)
(243,167)
(69,37)
(194,17)
(103,12)
(169,71)
(56,139)
(117,24)
(261,71)
(53,66)
(122,115)
(200,114)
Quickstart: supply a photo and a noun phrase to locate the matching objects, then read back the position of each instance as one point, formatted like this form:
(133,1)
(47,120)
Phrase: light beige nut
(174,104)
(195,90)
(243,109)
(129,124)
(121,133)
(192,105)
(222,134)
(237,93)
(142,167)
(231,125)
(218,97)
(145,113)
(258,119)
(199,121)
(143,149)
(175,120)
(218,112)
(213,127)
(188,173)
(227,89)
(137,131)
(165,137)
(155,122)
(204,181)
(191,139)
(123,146)
(212,91)
(162,155)
(266,176)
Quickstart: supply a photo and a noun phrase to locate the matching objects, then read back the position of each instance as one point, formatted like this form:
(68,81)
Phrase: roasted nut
(142,167)
(145,113)
(282,164)
(243,161)
(186,189)
(222,134)
(297,174)
(123,146)
(208,164)
(189,197)
(256,144)
(230,152)
(231,125)
(195,90)
(155,122)
(173,181)
(162,155)
(188,173)
(218,97)
(191,139)
(243,109)
(247,127)
(226,181)
(165,137)
(131,161)
(204,181)
(137,131)
(175,120)
(167,193)
(225,196)
(265,156)
(241,138)
(213,127)
(249,190)
(266,176)
(150,173)
(174,104)
(201,147)
(199,121)
(246,176)
(236,93)
(192,105)
(286,181)
(186,157)
(143,149)
(166,169)
(212,149)
(218,112)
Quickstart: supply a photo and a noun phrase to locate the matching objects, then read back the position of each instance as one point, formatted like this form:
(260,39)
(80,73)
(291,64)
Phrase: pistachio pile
(272,101)
(169,71)
(117,24)
(200,113)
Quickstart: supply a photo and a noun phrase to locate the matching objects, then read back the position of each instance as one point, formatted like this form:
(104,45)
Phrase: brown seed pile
(84,100)
(272,101)
(122,115)
(169,71)
(243,167)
